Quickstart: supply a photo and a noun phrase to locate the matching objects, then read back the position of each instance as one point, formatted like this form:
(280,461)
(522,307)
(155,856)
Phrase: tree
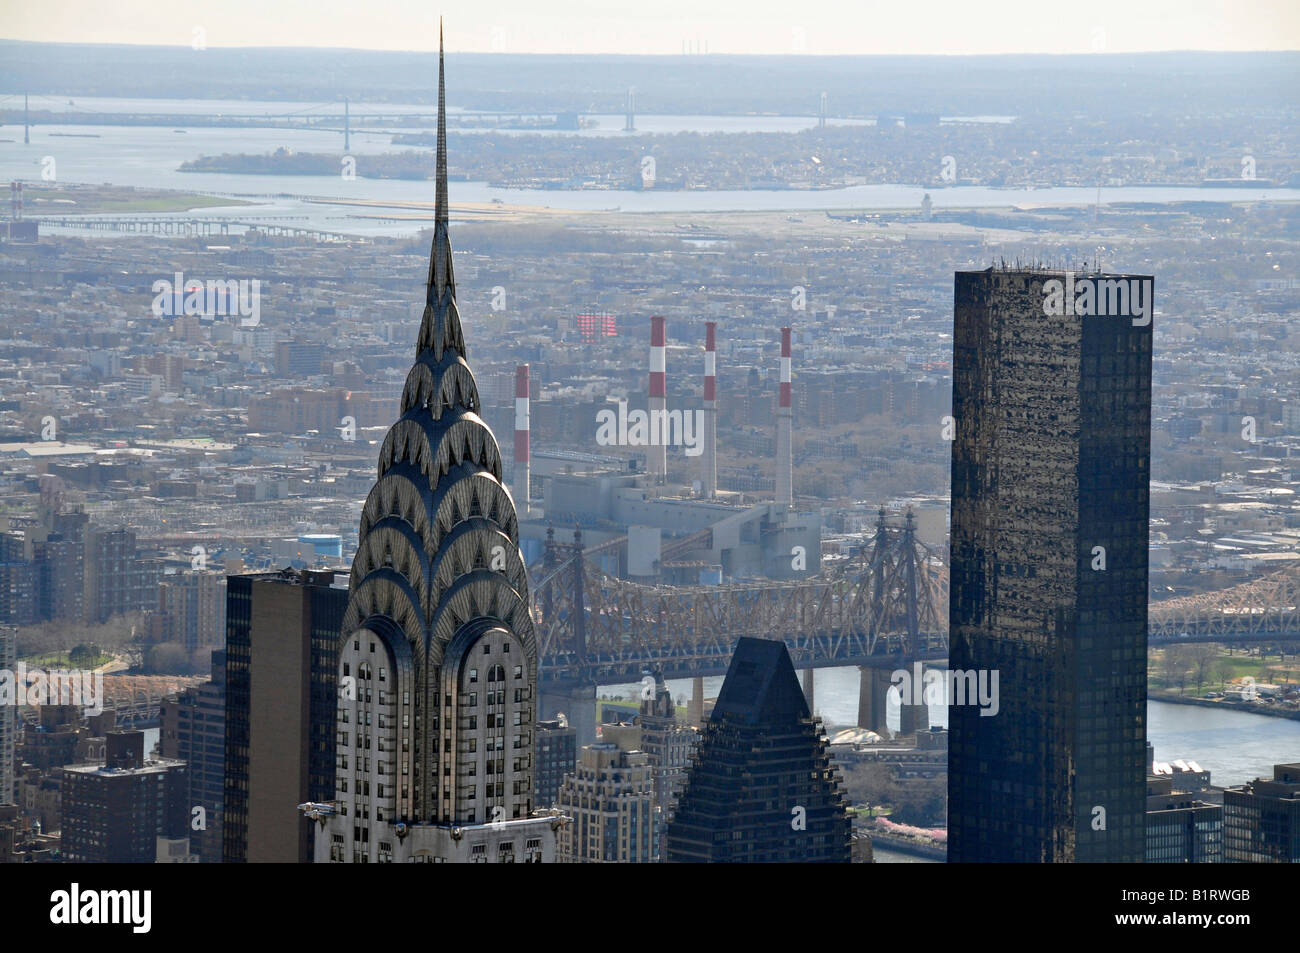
(1202,658)
(871,782)
(115,635)
(1174,666)
(922,806)
(36,639)
(1223,671)
(83,655)
(167,659)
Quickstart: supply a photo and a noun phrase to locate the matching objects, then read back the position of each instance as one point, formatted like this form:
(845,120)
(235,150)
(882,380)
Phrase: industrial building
(641,526)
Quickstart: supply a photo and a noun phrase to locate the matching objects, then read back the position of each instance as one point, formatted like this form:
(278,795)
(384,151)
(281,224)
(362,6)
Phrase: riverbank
(906,845)
(1254,708)
(49,199)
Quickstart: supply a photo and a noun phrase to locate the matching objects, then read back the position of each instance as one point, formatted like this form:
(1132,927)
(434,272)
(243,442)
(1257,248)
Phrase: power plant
(785,430)
(657,456)
(644,526)
(709,481)
(520,484)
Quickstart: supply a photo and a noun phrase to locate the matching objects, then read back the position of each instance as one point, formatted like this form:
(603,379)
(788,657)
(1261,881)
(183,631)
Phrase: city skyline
(966,529)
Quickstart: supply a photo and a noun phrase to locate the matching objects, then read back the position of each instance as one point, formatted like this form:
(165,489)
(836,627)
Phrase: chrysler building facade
(438,659)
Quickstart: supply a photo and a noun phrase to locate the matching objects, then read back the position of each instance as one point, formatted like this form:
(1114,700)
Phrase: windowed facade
(1261,819)
(1050,506)
(497,786)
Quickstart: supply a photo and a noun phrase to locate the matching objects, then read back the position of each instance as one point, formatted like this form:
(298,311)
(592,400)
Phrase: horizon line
(1098,54)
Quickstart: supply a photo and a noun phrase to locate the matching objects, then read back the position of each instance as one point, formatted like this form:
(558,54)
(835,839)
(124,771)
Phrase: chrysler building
(438,659)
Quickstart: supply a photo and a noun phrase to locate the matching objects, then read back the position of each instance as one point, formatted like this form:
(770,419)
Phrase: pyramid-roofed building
(762,788)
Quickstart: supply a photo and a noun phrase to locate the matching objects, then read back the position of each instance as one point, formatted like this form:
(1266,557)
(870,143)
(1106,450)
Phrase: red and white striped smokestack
(709,484)
(523,467)
(784,430)
(657,452)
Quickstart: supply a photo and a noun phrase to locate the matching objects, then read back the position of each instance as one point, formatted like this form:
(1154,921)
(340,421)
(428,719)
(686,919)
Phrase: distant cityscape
(955,533)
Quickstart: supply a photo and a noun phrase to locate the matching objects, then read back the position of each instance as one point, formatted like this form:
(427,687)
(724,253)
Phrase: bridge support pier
(809,692)
(695,713)
(915,717)
(873,693)
(578,702)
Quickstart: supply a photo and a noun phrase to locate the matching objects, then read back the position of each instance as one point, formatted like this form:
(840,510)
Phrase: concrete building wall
(279,704)
(610,798)
(530,840)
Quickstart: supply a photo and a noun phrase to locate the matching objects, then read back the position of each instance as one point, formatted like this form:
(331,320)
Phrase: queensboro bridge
(438,660)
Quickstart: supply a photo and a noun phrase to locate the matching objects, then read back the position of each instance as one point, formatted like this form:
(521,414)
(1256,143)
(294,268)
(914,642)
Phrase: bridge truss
(889,601)
(1264,609)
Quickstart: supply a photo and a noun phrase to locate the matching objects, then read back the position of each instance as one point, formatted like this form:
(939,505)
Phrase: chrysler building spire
(442,134)
(442,281)
(438,658)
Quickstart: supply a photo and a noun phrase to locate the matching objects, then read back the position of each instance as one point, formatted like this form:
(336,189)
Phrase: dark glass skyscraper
(193,730)
(1050,498)
(557,755)
(762,787)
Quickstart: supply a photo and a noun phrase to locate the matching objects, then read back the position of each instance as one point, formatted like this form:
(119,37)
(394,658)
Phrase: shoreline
(905,845)
(1248,707)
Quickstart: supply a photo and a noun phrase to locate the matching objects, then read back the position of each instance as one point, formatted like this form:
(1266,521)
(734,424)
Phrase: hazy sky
(663,26)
